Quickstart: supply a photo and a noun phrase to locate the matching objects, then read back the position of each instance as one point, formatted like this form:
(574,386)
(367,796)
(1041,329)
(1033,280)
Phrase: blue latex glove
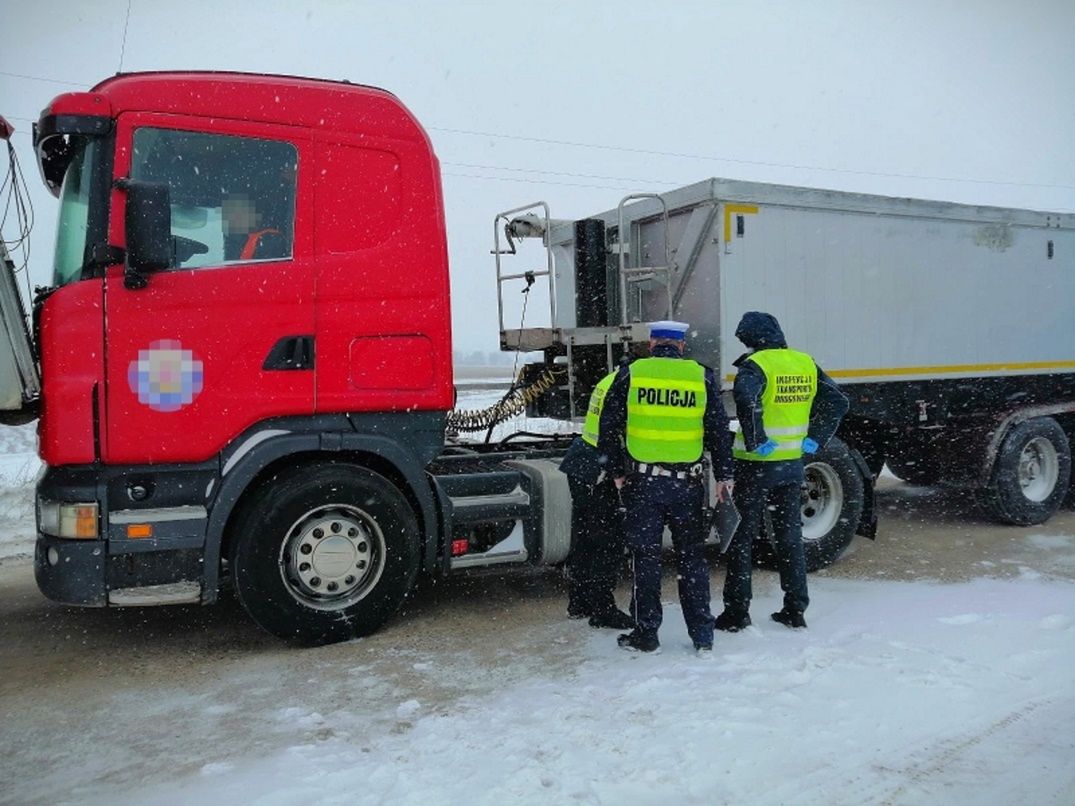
(766,447)
(809,446)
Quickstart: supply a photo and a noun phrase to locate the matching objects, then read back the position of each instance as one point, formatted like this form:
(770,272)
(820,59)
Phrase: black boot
(792,619)
(732,620)
(612,617)
(635,641)
(579,607)
(575,611)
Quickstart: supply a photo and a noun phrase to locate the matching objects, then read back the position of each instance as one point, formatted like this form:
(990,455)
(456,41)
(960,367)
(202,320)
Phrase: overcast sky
(580,103)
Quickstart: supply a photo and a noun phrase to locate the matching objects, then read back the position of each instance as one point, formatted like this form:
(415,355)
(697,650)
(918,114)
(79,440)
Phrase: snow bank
(19,466)
(898,693)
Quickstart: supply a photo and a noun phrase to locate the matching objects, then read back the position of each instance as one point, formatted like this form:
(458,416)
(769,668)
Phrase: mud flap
(868,522)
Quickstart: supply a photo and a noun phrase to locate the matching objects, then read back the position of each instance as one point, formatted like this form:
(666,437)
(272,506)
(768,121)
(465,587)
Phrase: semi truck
(242,365)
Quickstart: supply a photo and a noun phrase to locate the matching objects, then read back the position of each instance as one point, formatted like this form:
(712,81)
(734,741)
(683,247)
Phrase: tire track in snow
(950,749)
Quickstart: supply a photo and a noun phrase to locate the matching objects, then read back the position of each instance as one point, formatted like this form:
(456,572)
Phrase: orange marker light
(136,530)
(86,521)
(77,521)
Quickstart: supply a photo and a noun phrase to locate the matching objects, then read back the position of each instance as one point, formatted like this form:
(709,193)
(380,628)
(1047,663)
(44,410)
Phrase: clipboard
(723,523)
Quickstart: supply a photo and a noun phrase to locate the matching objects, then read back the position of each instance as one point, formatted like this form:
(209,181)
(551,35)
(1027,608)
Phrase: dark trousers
(596,547)
(778,486)
(653,502)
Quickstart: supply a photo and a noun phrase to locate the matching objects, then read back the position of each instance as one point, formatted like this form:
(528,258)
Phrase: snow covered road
(901,693)
(482,692)
(937,669)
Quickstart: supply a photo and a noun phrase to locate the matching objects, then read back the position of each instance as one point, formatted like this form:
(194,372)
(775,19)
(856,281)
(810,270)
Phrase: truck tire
(1069,500)
(1031,475)
(832,504)
(325,553)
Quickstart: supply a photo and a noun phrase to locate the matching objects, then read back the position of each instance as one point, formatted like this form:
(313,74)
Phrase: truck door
(223,339)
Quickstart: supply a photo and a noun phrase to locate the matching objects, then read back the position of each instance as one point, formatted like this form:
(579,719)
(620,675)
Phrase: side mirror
(149,226)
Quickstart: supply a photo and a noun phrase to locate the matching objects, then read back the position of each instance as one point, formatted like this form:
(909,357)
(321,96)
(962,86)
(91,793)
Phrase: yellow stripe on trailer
(1011,366)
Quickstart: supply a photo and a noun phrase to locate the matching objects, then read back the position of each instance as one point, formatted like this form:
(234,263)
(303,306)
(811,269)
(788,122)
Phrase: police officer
(787,407)
(659,415)
(596,526)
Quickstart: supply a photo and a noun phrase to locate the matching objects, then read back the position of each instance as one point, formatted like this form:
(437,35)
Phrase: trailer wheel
(832,503)
(325,553)
(1031,474)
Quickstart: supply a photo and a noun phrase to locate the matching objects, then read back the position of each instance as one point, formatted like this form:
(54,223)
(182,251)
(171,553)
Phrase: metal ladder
(636,275)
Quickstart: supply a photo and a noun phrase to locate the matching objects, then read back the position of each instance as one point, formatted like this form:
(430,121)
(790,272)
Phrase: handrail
(625,271)
(528,275)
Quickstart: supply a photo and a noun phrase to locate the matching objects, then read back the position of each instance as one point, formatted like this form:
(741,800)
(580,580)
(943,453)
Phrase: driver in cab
(245,235)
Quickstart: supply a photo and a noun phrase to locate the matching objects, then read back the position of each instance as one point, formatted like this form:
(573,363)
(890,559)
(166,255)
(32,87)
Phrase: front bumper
(114,569)
(71,571)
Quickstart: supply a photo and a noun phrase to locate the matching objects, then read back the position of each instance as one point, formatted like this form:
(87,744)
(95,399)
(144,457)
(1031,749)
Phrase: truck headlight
(75,521)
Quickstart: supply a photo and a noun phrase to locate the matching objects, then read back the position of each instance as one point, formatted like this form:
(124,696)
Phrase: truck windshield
(73,229)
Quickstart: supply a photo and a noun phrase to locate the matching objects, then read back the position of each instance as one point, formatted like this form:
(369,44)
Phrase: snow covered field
(18,470)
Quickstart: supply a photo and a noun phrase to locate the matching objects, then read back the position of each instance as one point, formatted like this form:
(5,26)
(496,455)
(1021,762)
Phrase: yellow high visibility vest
(790,387)
(665,410)
(593,411)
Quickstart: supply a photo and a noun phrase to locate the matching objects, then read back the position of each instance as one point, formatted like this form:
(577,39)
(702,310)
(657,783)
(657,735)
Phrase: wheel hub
(822,500)
(1039,469)
(332,556)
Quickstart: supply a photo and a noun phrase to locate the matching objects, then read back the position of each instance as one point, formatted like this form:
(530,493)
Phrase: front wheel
(325,553)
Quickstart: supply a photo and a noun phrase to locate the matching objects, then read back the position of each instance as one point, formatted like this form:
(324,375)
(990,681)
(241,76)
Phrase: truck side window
(233,198)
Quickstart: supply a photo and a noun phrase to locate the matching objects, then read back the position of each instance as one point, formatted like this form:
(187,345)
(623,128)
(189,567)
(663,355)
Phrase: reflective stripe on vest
(593,411)
(790,386)
(253,241)
(665,408)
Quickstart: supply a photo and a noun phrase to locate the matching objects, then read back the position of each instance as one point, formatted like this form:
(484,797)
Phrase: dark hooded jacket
(761,331)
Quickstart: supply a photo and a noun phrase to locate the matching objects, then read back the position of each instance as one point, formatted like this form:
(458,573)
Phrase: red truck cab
(300,309)
(341,307)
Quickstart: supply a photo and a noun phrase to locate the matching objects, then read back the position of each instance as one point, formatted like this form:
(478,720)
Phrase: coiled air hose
(513,403)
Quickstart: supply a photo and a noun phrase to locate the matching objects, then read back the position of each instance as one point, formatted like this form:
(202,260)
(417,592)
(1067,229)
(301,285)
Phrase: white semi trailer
(951,327)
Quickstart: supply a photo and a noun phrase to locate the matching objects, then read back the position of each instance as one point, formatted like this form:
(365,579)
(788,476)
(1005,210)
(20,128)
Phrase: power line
(42,78)
(649,152)
(534,181)
(705,157)
(558,173)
